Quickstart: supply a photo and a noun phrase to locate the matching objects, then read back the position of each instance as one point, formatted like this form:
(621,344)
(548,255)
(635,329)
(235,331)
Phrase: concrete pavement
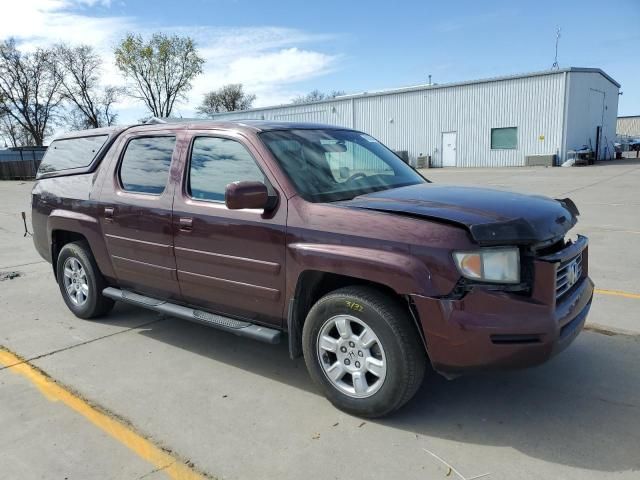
(241,409)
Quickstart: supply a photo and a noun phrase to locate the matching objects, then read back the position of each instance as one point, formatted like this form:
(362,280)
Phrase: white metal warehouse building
(629,126)
(496,122)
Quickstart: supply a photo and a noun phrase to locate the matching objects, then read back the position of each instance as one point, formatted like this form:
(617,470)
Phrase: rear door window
(145,164)
(69,153)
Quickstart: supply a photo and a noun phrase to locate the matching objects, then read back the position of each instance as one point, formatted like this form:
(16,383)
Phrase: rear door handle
(108,214)
(186,224)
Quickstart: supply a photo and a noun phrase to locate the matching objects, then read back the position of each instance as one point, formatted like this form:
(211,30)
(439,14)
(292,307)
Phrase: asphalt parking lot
(139,395)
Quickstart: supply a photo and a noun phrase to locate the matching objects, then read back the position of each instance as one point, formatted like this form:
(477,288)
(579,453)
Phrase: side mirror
(240,195)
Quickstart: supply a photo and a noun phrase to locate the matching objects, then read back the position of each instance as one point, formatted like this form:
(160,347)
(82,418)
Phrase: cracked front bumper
(489,329)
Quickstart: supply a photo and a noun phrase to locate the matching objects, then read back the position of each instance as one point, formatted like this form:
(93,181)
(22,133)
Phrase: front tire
(80,281)
(361,347)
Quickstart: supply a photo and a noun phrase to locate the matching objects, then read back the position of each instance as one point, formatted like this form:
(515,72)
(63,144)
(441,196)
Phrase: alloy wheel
(75,281)
(351,356)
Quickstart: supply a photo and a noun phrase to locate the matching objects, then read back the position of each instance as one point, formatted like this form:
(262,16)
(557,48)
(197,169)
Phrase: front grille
(568,274)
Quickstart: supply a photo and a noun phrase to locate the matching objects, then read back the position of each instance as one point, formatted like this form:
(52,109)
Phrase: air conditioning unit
(423,161)
(540,160)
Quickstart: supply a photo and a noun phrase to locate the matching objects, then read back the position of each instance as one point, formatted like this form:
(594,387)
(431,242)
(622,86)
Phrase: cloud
(270,75)
(277,67)
(42,22)
(268,60)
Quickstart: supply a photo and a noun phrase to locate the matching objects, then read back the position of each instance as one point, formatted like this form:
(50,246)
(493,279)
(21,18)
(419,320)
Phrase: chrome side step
(237,327)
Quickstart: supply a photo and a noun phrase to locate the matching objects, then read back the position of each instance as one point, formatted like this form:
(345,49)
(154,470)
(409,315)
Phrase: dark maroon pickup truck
(319,232)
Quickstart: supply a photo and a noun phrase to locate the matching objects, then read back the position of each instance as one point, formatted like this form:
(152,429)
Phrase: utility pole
(555,65)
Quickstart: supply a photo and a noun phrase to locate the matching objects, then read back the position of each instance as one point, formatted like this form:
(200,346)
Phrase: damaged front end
(492,217)
(520,231)
(537,226)
(516,322)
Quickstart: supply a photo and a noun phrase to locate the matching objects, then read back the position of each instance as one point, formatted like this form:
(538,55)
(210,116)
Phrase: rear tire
(80,281)
(362,348)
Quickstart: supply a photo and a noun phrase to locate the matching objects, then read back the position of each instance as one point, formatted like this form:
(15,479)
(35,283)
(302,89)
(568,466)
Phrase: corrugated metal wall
(629,126)
(415,119)
(592,102)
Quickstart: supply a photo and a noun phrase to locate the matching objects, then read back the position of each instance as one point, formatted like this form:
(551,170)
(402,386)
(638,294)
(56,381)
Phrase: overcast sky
(280,49)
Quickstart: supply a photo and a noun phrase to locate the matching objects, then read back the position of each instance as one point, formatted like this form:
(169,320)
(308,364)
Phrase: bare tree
(30,89)
(77,120)
(161,70)
(229,98)
(317,96)
(110,95)
(13,132)
(91,104)
(312,96)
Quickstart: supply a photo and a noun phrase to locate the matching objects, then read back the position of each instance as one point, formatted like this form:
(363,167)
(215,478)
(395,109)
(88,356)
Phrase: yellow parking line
(161,460)
(618,293)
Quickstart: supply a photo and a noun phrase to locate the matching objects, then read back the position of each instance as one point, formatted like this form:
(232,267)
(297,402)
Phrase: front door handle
(186,224)
(108,214)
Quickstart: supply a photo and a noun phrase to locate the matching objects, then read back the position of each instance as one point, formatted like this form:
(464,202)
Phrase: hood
(492,216)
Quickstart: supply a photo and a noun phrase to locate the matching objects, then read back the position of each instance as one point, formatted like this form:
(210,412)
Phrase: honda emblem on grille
(572,273)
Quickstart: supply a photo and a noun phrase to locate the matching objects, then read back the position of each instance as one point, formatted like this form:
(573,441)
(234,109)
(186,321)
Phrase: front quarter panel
(408,255)
(399,271)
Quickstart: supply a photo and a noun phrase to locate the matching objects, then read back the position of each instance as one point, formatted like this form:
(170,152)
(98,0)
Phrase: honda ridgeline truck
(317,232)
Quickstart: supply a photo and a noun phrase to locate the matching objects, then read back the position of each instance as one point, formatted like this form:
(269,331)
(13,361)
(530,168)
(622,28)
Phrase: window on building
(217,162)
(504,138)
(145,164)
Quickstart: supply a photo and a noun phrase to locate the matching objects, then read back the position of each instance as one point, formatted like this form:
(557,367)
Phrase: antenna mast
(555,65)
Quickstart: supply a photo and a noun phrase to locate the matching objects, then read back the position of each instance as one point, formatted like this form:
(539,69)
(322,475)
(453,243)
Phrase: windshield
(333,165)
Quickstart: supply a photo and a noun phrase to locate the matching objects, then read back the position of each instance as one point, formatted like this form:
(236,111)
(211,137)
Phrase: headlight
(500,265)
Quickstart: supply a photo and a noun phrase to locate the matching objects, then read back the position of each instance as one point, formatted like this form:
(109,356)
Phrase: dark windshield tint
(332,165)
(71,153)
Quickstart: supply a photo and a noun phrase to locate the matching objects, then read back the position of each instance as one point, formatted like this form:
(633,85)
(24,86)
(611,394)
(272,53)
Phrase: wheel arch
(314,269)
(65,226)
(314,284)
(60,238)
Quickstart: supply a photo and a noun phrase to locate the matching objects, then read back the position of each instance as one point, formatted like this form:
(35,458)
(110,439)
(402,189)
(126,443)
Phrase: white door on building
(449,149)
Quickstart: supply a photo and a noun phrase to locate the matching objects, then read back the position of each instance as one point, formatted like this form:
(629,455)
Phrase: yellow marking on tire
(618,293)
(354,306)
(174,467)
